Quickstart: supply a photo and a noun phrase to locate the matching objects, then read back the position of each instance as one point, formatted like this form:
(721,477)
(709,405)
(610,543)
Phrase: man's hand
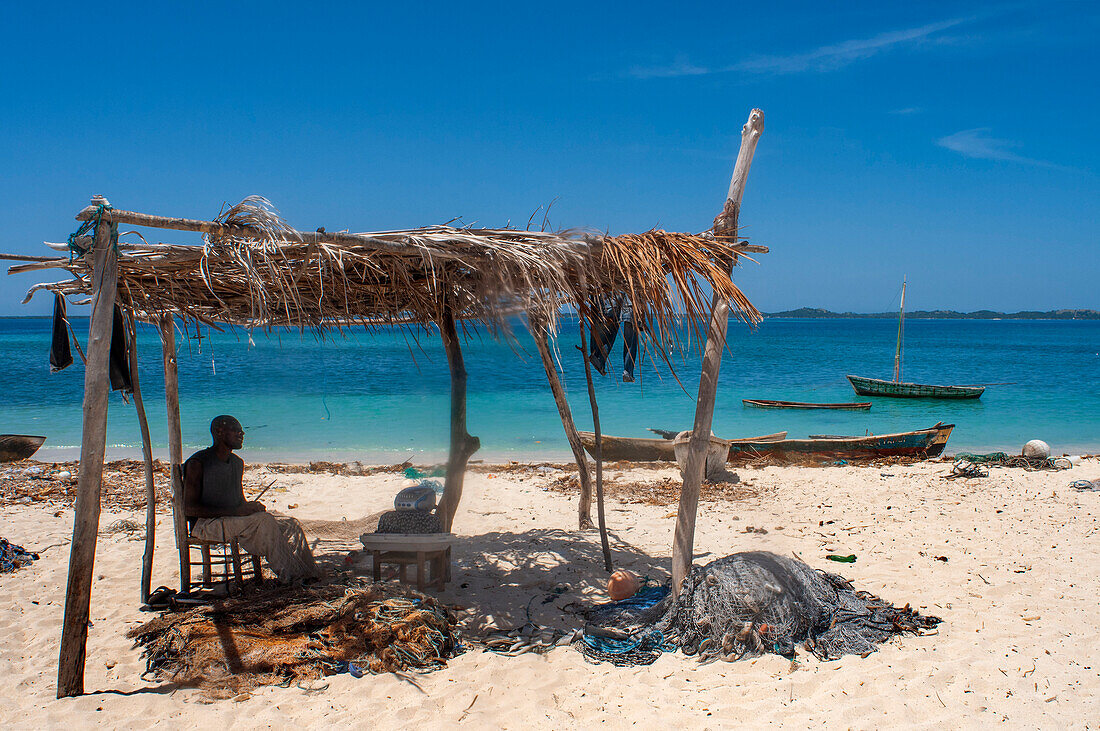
(251,507)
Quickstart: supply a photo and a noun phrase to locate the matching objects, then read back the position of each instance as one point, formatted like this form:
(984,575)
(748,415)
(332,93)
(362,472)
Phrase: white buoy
(1036,449)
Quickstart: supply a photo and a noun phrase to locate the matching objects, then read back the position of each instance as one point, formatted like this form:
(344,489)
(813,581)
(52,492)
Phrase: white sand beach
(1008,562)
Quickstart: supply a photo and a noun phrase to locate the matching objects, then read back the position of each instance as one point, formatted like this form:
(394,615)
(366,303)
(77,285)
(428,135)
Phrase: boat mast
(901,329)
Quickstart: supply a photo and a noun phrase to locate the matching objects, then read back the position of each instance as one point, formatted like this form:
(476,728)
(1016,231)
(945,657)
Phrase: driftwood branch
(683,544)
(93,441)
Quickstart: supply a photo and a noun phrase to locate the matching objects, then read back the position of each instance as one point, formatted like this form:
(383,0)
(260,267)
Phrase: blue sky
(955,143)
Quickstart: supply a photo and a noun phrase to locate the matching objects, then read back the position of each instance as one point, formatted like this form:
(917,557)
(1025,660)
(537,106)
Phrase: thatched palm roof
(256,271)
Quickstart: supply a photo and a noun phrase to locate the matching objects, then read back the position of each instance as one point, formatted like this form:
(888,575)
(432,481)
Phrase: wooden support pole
(462,444)
(93,441)
(540,334)
(147,454)
(601,517)
(175,444)
(683,543)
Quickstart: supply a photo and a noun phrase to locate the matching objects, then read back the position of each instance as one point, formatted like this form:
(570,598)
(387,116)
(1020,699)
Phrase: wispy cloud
(824,58)
(978,144)
(905,111)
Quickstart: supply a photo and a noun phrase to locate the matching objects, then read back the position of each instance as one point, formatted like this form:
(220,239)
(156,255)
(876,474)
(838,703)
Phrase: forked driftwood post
(462,444)
(725,224)
(147,454)
(175,444)
(97,389)
(541,336)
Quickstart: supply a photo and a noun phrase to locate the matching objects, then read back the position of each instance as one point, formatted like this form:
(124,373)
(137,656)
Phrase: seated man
(213,494)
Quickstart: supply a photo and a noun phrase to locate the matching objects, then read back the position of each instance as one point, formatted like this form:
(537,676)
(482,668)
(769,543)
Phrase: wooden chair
(216,558)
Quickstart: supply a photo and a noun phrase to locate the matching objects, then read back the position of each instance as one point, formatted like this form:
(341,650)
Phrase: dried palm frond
(264,274)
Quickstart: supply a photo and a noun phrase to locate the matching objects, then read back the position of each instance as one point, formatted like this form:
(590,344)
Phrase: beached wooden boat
(770,404)
(642,449)
(922,443)
(897,389)
(14,447)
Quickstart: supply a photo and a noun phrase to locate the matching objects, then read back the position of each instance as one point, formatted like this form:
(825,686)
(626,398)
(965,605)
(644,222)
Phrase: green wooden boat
(878,387)
(897,388)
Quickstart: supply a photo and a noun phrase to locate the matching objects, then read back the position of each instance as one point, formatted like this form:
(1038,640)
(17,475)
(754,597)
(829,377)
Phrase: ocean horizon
(383,397)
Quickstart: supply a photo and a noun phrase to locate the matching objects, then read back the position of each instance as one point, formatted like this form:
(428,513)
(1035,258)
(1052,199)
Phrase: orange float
(622,585)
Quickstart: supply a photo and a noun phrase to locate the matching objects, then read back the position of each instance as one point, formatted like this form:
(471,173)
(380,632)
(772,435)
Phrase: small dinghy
(14,447)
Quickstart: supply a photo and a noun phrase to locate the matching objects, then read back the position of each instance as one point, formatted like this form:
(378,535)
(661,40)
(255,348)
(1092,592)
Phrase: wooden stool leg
(207,578)
(402,574)
(420,570)
(238,569)
(257,570)
(377,555)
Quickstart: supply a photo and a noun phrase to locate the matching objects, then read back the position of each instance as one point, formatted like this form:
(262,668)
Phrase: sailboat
(898,389)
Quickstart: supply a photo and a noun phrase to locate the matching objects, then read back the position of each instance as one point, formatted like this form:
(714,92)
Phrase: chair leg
(257,570)
(207,578)
(420,570)
(237,568)
(377,565)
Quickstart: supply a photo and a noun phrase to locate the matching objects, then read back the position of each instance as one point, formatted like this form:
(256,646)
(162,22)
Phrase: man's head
(228,431)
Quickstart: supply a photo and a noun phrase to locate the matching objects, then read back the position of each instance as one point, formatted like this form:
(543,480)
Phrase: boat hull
(922,443)
(770,404)
(641,449)
(878,387)
(14,447)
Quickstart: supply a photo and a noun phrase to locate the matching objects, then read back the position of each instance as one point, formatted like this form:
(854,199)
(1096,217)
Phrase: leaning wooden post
(97,389)
(725,224)
(601,516)
(584,508)
(175,444)
(147,453)
(462,444)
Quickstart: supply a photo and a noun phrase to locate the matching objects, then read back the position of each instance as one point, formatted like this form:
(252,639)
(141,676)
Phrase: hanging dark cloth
(119,366)
(614,310)
(60,355)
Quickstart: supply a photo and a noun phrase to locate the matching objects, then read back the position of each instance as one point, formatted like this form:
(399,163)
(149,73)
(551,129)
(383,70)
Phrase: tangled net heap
(755,602)
(14,557)
(284,636)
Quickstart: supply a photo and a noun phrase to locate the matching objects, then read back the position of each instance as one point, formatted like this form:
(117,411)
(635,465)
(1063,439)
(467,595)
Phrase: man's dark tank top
(221,481)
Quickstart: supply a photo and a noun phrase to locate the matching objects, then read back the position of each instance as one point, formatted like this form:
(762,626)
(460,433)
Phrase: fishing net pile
(747,604)
(1000,459)
(14,557)
(291,636)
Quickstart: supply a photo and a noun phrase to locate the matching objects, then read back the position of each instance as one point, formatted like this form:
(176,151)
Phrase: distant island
(816,312)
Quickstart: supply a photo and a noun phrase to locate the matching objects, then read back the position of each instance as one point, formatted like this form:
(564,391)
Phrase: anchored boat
(642,449)
(922,443)
(14,447)
(897,389)
(770,404)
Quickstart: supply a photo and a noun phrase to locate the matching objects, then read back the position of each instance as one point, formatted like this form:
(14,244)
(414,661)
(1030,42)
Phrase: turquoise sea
(384,396)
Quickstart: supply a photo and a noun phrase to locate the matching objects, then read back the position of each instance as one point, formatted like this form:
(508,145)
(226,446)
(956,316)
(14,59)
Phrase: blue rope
(92,224)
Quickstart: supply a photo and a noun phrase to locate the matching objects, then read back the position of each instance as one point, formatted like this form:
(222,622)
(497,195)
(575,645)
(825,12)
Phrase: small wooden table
(429,552)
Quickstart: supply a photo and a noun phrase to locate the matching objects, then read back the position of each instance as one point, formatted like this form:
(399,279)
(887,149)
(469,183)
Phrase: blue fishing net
(13,557)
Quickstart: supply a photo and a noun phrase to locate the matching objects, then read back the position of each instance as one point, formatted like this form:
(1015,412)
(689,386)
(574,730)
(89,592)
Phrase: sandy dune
(1018,593)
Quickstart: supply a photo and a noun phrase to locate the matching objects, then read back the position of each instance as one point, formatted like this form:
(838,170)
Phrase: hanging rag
(614,310)
(119,366)
(60,355)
